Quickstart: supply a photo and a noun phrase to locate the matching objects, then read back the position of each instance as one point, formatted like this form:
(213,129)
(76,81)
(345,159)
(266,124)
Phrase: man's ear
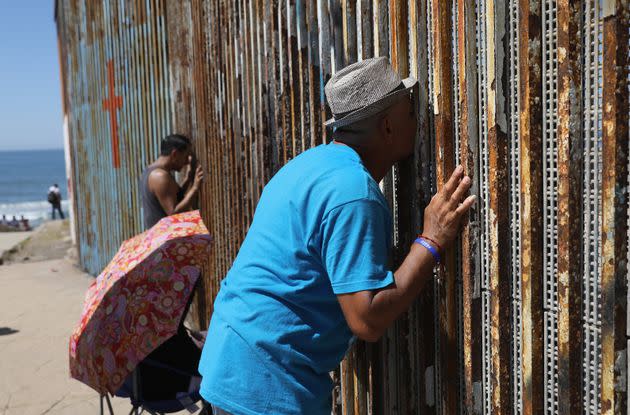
(386,127)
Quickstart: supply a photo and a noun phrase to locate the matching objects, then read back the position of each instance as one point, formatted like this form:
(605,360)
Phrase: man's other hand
(198,178)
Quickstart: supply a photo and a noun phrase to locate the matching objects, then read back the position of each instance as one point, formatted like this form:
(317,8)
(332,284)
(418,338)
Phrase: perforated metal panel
(484,202)
(592,129)
(550,191)
(515,206)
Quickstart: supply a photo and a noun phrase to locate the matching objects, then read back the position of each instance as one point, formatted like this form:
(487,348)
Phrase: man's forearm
(389,303)
(188,181)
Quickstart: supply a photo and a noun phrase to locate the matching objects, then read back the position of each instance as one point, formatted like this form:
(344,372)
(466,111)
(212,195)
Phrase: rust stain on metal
(315,76)
(570,343)
(499,229)
(530,61)
(465,54)
(445,164)
(614,210)
(347,384)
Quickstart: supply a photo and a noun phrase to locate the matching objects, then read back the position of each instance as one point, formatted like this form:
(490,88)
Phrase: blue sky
(30,96)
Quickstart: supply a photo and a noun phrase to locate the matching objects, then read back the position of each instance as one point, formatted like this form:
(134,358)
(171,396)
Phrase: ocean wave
(35,212)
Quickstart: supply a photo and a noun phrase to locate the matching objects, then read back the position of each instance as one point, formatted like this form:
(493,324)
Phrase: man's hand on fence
(443,216)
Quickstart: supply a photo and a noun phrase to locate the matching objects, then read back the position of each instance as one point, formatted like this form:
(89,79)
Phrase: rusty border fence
(117,103)
(529,315)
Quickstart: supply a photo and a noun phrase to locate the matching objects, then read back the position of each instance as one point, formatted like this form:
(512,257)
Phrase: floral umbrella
(138,301)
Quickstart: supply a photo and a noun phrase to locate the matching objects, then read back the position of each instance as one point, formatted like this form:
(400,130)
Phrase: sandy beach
(40,303)
(10,240)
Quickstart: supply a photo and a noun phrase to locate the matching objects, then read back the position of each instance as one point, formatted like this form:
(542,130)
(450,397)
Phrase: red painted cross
(111,104)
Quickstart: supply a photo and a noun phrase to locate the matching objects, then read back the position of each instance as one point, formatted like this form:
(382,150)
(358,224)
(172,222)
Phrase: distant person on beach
(14,222)
(54,198)
(4,220)
(161,195)
(24,225)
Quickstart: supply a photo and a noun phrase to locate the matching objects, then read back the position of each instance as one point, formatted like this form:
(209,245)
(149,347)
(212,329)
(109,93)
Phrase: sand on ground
(9,240)
(40,304)
(51,240)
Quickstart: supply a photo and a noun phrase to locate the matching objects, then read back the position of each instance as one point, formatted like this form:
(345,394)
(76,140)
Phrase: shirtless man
(161,195)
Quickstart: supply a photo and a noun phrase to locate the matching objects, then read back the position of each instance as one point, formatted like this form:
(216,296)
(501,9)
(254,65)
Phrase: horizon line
(30,149)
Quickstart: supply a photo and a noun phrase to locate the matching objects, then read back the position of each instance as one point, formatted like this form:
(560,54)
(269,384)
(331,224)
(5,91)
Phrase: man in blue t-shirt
(312,275)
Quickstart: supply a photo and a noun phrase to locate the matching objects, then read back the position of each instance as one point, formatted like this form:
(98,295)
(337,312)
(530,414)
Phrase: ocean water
(25,177)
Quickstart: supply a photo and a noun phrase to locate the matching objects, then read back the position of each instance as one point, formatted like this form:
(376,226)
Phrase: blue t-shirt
(322,228)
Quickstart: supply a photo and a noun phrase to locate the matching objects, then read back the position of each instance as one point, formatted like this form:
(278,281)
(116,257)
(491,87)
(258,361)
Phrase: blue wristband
(430,248)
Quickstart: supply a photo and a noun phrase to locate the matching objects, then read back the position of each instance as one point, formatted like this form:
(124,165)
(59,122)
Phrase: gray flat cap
(363,89)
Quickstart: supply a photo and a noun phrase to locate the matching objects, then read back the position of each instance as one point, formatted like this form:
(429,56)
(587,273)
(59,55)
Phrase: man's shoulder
(327,174)
(159,174)
(350,184)
(159,179)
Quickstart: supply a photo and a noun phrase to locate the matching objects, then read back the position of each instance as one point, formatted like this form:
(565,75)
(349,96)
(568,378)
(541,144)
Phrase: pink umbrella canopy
(138,301)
